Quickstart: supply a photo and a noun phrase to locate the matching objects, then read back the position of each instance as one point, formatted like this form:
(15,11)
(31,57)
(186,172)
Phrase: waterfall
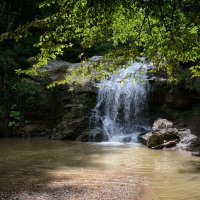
(121,111)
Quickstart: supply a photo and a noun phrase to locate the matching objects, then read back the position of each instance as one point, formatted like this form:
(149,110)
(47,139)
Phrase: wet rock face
(64,114)
(72,109)
(168,133)
(93,136)
(187,139)
(166,145)
(31,130)
(194,145)
(75,117)
(56,113)
(197,85)
(161,124)
(178,99)
(159,87)
(56,70)
(165,135)
(150,139)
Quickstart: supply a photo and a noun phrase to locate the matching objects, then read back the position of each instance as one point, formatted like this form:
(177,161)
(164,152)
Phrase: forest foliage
(36,31)
(165,32)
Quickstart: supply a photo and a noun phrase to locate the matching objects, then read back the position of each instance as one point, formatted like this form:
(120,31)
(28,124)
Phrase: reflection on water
(33,163)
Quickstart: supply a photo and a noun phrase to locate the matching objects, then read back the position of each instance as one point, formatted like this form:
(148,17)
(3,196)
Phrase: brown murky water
(35,168)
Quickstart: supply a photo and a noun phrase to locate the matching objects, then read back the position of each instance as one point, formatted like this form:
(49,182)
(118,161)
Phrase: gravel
(80,188)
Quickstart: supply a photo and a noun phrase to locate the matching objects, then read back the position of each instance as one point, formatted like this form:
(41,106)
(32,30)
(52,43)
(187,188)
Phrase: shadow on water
(192,167)
(42,169)
(32,164)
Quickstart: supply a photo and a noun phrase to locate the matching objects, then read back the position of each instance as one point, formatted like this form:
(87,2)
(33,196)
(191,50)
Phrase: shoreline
(81,188)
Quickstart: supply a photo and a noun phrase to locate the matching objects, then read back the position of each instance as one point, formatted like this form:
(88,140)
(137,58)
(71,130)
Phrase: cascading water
(121,111)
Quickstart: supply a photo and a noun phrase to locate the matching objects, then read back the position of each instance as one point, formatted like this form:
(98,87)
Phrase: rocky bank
(164,134)
(62,114)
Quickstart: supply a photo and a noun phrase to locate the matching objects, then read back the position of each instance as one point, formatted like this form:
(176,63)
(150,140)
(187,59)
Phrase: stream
(44,169)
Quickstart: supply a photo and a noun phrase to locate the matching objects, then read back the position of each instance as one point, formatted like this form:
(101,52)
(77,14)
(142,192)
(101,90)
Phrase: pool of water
(29,164)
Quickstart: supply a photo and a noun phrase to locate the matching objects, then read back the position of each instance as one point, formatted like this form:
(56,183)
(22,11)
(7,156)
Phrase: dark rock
(196,154)
(193,144)
(187,140)
(180,125)
(193,123)
(92,136)
(156,98)
(161,124)
(186,136)
(99,137)
(85,137)
(140,139)
(75,117)
(87,87)
(30,130)
(164,135)
(56,70)
(197,85)
(144,137)
(168,133)
(154,73)
(166,145)
(64,134)
(126,139)
(73,109)
(150,139)
(95,59)
(157,81)
(141,129)
(154,140)
(158,88)
(178,99)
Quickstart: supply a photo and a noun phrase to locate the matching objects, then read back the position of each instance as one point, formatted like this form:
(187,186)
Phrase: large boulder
(65,113)
(165,135)
(194,146)
(154,140)
(144,137)
(73,108)
(161,124)
(187,139)
(150,139)
(56,69)
(166,144)
(168,133)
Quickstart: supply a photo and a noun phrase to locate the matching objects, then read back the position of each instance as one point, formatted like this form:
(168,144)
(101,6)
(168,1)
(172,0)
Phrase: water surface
(26,164)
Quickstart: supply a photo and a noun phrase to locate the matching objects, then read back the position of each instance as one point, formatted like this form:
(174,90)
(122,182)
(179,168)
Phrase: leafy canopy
(165,32)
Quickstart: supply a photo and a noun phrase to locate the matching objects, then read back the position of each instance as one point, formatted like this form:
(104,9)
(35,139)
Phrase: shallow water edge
(45,169)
